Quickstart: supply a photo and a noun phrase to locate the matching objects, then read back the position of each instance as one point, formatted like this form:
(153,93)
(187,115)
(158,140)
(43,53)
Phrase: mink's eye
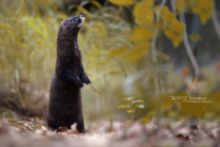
(73,20)
(79,20)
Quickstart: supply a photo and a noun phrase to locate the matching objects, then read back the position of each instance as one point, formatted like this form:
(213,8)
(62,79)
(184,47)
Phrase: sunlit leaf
(172,27)
(122,2)
(143,13)
(195,37)
(204,9)
(140,34)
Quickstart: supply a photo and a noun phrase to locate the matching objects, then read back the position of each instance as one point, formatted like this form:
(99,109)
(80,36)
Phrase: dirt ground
(34,133)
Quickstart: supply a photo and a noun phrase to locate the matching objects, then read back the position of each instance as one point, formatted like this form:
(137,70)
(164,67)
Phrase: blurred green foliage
(27,42)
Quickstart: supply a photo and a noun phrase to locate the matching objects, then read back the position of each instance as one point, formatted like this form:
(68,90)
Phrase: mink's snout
(81,18)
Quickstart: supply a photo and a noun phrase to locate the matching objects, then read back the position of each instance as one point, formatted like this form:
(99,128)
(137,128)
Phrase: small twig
(159,11)
(154,40)
(215,19)
(101,95)
(173,5)
(189,48)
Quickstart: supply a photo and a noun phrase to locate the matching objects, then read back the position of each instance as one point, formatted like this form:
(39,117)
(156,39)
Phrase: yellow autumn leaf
(137,53)
(122,2)
(166,14)
(174,37)
(179,27)
(203,8)
(195,37)
(204,17)
(140,34)
(143,13)
(169,33)
(172,27)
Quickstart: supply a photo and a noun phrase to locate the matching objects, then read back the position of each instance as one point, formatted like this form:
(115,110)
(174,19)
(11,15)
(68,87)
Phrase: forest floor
(34,133)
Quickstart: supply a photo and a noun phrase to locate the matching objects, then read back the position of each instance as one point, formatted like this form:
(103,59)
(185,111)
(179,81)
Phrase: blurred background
(146,58)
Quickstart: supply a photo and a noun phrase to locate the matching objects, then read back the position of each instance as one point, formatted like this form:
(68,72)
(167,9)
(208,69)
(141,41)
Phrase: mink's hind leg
(80,125)
(52,125)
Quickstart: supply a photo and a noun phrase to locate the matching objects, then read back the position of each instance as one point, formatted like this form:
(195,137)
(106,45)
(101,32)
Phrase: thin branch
(154,59)
(154,40)
(173,5)
(160,9)
(215,19)
(189,48)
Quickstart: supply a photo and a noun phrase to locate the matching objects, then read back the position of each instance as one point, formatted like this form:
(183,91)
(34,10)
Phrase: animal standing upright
(65,106)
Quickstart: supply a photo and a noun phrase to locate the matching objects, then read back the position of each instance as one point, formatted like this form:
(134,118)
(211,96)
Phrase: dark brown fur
(65,107)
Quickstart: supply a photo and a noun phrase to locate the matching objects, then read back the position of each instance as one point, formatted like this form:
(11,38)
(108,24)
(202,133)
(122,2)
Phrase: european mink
(65,106)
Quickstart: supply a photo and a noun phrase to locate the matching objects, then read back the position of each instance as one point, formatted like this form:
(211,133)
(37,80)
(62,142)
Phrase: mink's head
(72,24)
(67,36)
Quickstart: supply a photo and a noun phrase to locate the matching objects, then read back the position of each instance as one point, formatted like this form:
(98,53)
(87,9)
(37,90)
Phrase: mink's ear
(62,22)
(62,25)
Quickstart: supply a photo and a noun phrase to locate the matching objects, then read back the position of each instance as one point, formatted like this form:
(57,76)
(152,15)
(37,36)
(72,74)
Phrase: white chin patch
(82,21)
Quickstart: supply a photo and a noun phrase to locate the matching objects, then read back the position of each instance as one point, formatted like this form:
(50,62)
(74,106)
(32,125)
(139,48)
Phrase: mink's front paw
(85,79)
